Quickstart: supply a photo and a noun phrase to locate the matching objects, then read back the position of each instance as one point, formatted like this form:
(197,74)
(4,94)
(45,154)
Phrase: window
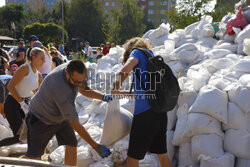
(106,3)
(163,3)
(163,11)
(163,20)
(106,11)
(150,11)
(143,6)
(151,3)
(113,3)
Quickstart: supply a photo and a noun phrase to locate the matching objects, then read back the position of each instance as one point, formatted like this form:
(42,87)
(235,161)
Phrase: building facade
(35,4)
(156,9)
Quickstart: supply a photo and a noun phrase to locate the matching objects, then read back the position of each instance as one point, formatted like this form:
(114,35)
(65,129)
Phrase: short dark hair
(76,65)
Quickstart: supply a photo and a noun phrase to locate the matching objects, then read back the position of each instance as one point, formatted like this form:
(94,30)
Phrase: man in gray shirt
(53,112)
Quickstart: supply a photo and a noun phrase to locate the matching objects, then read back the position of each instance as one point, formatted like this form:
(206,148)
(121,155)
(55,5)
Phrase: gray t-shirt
(4,81)
(55,100)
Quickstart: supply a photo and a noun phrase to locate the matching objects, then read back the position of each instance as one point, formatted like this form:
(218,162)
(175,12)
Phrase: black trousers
(15,116)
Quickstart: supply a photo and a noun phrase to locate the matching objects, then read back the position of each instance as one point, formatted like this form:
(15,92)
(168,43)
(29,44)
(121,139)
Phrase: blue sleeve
(137,54)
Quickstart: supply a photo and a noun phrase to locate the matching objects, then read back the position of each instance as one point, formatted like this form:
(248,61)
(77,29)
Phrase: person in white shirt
(88,51)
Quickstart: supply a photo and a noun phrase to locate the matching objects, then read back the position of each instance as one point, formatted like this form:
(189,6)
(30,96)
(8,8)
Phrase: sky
(2,3)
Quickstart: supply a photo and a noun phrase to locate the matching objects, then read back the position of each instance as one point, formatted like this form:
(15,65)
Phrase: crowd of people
(31,97)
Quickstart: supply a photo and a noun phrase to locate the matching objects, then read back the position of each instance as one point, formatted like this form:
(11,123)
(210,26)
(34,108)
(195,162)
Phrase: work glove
(102,150)
(107,98)
(24,107)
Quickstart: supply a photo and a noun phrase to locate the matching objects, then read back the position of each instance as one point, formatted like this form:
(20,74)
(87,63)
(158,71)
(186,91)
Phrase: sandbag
(208,145)
(217,53)
(240,96)
(198,124)
(237,119)
(228,46)
(211,101)
(243,65)
(242,162)
(186,97)
(179,137)
(245,80)
(83,157)
(170,146)
(190,28)
(4,132)
(117,123)
(169,45)
(246,46)
(163,29)
(243,34)
(185,156)
(119,153)
(57,156)
(227,160)
(188,56)
(240,49)
(237,142)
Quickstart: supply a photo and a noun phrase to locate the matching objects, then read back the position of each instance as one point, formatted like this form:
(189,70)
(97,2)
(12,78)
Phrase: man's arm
(83,133)
(90,93)
(21,56)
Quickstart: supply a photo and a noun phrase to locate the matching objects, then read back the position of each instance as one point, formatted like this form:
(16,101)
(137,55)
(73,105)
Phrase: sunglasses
(77,83)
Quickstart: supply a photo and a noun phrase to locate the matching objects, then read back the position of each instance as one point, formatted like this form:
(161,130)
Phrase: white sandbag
(186,85)
(147,33)
(179,137)
(199,76)
(186,97)
(150,160)
(4,132)
(4,121)
(222,63)
(217,53)
(245,80)
(187,46)
(169,45)
(83,118)
(211,101)
(106,162)
(117,123)
(159,41)
(18,148)
(237,142)
(234,115)
(227,160)
(228,46)
(198,124)
(240,96)
(83,156)
(185,156)
(57,156)
(242,162)
(246,46)
(245,33)
(188,56)
(229,38)
(4,151)
(170,146)
(208,145)
(163,29)
(184,41)
(83,100)
(206,31)
(119,153)
(190,28)
(172,118)
(243,65)
(240,49)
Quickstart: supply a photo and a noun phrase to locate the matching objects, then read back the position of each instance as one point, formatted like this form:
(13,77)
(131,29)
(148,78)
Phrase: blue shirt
(141,102)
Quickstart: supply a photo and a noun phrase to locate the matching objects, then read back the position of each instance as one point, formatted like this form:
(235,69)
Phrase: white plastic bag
(217,53)
(246,46)
(117,123)
(163,29)
(198,124)
(185,156)
(237,143)
(211,101)
(245,33)
(170,146)
(227,160)
(208,145)
(243,65)
(242,162)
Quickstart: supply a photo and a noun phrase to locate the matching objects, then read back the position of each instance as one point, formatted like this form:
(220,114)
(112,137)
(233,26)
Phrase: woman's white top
(47,65)
(28,84)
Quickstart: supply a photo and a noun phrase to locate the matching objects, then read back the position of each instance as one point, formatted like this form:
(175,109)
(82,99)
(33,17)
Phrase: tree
(187,12)
(86,21)
(127,23)
(46,33)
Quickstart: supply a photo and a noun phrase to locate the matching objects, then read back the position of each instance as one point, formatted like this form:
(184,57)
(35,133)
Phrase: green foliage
(127,23)
(86,21)
(48,32)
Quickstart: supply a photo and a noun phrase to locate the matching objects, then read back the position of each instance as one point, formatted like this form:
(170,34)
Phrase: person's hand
(102,150)
(107,97)
(24,107)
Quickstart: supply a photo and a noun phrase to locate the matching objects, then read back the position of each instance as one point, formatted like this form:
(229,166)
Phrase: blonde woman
(22,87)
